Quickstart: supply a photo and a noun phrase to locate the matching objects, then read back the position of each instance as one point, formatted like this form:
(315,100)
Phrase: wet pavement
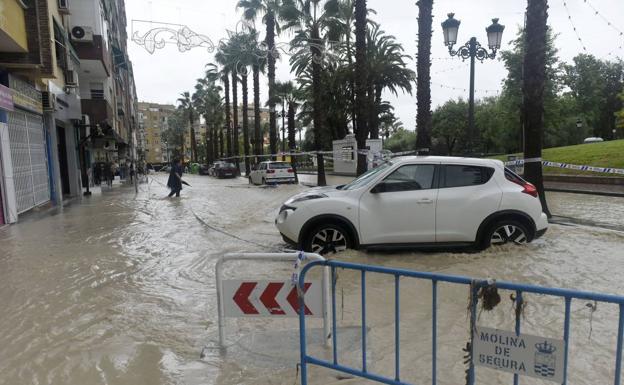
(120,289)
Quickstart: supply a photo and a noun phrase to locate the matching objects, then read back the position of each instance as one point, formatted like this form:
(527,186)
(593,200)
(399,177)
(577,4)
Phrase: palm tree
(222,58)
(216,108)
(187,105)
(270,9)
(304,18)
(289,97)
(386,70)
(423,87)
(209,104)
(244,52)
(361,77)
(257,69)
(341,19)
(534,70)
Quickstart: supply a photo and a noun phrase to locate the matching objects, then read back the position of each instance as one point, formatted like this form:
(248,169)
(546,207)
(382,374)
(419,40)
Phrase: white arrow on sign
(251,298)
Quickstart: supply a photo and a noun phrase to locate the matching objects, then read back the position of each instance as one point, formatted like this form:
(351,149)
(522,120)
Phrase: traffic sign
(270,299)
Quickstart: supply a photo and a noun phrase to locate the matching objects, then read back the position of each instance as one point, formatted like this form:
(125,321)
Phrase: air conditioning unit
(48,101)
(82,33)
(63,6)
(71,79)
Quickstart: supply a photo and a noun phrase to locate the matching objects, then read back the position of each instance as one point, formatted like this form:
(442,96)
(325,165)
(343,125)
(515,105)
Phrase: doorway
(62,156)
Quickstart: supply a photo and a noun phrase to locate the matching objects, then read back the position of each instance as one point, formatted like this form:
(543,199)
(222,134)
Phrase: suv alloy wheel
(327,238)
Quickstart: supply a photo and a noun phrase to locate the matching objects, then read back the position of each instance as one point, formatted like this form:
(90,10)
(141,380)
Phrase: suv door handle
(425,201)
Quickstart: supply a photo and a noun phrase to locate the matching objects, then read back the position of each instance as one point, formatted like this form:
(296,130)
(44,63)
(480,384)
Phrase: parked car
(204,169)
(593,140)
(272,172)
(417,201)
(221,169)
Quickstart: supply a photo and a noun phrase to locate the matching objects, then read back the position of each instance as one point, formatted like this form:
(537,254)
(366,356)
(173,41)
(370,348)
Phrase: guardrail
(476,286)
(272,257)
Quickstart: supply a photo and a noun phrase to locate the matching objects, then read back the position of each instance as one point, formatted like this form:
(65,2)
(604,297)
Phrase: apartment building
(154,120)
(50,130)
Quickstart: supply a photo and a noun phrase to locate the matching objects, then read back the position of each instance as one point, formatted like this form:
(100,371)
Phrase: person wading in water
(175,178)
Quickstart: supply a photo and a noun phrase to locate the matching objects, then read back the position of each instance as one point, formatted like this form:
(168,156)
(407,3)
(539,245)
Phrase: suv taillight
(529,189)
(270,171)
(290,170)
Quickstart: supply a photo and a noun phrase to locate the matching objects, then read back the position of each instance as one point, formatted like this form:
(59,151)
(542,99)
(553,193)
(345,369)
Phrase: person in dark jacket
(175,178)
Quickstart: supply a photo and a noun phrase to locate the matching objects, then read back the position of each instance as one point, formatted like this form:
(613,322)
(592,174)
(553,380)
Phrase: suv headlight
(309,197)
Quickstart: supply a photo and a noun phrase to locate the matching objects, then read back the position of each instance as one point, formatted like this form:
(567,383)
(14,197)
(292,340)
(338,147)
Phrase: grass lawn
(603,154)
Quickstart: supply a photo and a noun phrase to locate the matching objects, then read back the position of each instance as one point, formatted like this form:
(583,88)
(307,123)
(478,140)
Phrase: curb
(586,192)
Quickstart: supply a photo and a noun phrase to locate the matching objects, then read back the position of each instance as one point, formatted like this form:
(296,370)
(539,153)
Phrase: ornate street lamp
(471,50)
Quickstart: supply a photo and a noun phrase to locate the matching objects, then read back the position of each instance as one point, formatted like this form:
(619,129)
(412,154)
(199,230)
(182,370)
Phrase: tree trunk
(361,77)
(182,146)
(228,118)
(193,142)
(258,145)
(245,123)
(534,63)
(317,97)
(221,146)
(209,146)
(423,77)
(270,40)
(351,81)
(292,143)
(235,148)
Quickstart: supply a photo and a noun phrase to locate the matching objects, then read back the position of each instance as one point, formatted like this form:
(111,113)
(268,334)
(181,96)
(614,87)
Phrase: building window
(97,90)
(59,46)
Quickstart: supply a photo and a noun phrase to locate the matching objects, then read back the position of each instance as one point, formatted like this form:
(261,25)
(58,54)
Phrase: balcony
(99,111)
(95,60)
(12,27)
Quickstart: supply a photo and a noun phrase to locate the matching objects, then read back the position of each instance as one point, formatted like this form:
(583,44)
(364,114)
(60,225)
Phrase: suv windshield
(366,177)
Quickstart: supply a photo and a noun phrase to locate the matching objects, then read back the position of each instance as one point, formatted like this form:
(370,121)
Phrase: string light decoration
(481,90)
(461,66)
(168,33)
(578,37)
(609,23)
(161,34)
(612,26)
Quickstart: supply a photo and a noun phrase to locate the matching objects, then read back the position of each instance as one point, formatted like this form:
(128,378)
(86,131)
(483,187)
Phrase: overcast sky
(161,76)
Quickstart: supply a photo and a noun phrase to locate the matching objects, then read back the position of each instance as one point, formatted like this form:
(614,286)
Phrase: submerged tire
(505,231)
(328,238)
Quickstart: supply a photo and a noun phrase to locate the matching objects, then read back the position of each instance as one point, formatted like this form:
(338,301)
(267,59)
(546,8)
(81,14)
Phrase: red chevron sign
(270,299)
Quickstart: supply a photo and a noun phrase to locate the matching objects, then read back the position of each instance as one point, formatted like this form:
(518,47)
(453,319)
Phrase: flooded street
(120,289)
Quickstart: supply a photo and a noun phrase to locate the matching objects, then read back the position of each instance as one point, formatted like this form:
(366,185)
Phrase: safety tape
(311,153)
(519,162)
(546,163)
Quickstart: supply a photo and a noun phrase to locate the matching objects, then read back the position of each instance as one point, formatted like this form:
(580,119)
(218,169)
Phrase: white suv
(272,172)
(417,201)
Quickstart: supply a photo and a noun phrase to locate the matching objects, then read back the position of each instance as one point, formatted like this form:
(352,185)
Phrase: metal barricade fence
(474,284)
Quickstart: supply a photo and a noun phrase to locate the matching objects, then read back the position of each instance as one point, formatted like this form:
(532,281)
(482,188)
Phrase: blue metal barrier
(475,285)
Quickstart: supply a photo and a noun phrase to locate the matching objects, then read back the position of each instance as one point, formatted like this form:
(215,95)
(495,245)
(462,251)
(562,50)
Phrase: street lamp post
(472,50)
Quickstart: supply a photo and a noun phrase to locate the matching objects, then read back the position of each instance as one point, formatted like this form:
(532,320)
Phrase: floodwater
(120,289)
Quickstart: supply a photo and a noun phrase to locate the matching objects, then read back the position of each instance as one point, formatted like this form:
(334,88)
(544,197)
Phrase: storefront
(24,152)
(6,105)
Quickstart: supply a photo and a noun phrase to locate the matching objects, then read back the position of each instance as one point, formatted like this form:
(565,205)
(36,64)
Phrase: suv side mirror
(379,188)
